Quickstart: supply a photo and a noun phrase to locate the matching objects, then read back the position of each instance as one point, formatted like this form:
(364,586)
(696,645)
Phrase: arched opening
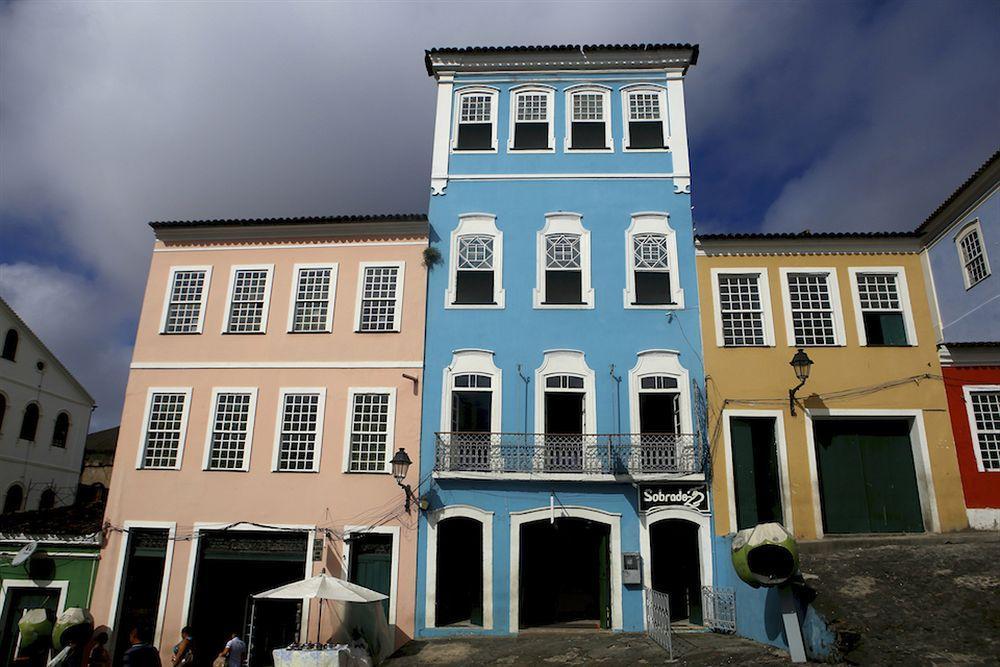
(675,567)
(3,410)
(29,423)
(10,345)
(459,594)
(47,500)
(12,501)
(60,435)
(565,573)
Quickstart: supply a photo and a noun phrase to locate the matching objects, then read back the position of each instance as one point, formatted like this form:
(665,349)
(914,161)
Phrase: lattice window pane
(379,298)
(650,251)
(973,257)
(532,107)
(312,300)
(644,106)
(562,251)
(878,291)
(369,432)
(230,431)
(476,109)
(475,253)
(986,413)
(246,310)
(588,106)
(184,309)
(163,430)
(812,310)
(299,432)
(742,310)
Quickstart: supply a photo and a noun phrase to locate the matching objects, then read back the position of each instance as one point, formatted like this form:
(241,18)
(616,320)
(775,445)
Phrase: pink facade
(361,388)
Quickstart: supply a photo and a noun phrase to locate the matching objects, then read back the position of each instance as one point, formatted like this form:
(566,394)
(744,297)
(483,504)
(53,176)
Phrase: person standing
(235,649)
(96,654)
(184,649)
(141,653)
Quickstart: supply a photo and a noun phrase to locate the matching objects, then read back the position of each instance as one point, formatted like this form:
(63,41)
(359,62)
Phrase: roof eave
(711,244)
(210,231)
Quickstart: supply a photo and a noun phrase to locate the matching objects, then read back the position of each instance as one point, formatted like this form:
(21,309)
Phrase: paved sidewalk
(572,647)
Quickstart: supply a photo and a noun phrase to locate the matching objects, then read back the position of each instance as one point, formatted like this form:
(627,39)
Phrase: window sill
(665,149)
(243,333)
(978,282)
(475,306)
(225,470)
(570,149)
(529,151)
(473,151)
(324,331)
(297,472)
(180,333)
(884,345)
(394,331)
(366,472)
(564,306)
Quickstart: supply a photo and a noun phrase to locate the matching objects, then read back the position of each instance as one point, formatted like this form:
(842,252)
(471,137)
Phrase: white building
(44,418)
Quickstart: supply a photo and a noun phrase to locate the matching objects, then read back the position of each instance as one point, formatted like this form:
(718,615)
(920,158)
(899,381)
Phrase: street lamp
(801,364)
(400,466)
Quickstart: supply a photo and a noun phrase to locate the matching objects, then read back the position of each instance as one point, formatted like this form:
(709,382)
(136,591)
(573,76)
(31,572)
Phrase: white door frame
(485,518)
(657,514)
(61,584)
(394,573)
(171,528)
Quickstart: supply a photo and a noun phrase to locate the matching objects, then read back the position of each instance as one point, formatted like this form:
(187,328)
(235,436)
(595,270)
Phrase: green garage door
(867,481)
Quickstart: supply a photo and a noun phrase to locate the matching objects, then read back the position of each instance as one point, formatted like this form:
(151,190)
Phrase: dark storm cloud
(839,116)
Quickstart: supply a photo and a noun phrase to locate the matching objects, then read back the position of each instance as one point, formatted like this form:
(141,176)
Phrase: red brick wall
(982,489)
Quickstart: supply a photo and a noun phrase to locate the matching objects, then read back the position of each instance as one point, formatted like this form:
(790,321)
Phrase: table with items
(321,655)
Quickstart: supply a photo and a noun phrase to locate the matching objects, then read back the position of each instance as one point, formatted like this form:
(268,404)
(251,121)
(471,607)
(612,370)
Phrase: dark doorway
(675,567)
(231,567)
(18,600)
(658,412)
(866,476)
(371,564)
(471,418)
(755,471)
(563,427)
(564,576)
(142,579)
(459,593)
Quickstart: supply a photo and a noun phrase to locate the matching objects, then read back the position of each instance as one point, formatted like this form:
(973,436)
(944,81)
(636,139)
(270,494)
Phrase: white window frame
(972,227)
(174,270)
(563,223)
(967,391)
(267,297)
(763,287)
(400,275)
(457,114)
(320,426)
(472,362)
(251,414)
(605,94)
(904,301)
(532,89)
(659,363)
(840,337)
(185,415)
(566,362)
(476,224)
(390,434)
(652,222)
(661,92)
(331,301)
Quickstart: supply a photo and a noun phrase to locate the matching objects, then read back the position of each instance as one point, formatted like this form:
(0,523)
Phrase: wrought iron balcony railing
(589,454)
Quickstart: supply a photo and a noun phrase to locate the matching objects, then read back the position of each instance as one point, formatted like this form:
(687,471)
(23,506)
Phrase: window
(659,404)
(565,398)
(248,300)
(476,279)
(10,345)
(645,115)
(29,422)
(882,306)
(166,423)
(370,429)
(475,120)
(588,119)
(531,119)
(47,500)
(650,261)
(381,297)
(975,264)
(60,434)
(13,499)
(812,307)
(563,279)
(312,300)
(743,309)
(185,303)
(231,429)
(984,422)
(300,430)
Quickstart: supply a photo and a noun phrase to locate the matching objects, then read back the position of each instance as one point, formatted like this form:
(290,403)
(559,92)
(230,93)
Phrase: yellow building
(866,446)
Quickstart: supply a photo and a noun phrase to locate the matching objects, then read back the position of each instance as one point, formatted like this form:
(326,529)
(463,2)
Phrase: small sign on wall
(688,495)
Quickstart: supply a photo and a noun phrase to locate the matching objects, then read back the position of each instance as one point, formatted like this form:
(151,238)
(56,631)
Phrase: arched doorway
(459,594)
(675,567)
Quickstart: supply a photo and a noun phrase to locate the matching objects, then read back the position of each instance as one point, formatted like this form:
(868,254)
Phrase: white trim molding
(331,298)
(279,420)
(592,89)
(390,440)
(210,427)
(764,294)
(833,289)
(657,514)
(476,224)
(549,94)
(352,531)
(570,224)
(195,365)
(660,362)
(566,362)
(185,414)
(653,223)
(118,593)
(397,321)
(967,391)
(459,93)
(472,362)
(268,282)
(435,517)
(442,130)
(902,290)
(203,299)
(661,95)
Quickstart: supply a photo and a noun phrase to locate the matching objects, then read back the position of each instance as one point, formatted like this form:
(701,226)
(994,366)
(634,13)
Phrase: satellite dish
(24,554)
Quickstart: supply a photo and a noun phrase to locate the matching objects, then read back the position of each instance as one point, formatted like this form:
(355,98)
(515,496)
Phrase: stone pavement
(585,647)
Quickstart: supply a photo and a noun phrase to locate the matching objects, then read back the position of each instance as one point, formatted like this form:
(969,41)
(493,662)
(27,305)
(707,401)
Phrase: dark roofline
(778,236)
(304,220)
(985,343)
(958,193)
(553,48)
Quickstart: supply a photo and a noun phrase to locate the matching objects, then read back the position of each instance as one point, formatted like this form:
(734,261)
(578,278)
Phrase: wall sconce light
(400,466)
(801,364)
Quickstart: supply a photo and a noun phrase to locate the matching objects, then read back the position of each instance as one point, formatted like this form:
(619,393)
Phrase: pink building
(277,368)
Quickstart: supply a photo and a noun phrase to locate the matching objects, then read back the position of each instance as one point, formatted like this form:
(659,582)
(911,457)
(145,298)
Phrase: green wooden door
(866,476)
(371,564)
(604,583)
(755,471)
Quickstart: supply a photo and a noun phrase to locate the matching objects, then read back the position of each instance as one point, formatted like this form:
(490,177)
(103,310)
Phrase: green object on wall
(74,623)
(765,555)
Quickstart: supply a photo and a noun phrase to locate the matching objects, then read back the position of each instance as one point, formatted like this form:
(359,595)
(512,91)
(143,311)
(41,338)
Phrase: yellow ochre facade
(840,464)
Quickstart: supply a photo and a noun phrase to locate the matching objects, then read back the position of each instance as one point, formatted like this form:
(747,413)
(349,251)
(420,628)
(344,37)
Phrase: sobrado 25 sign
(680,494)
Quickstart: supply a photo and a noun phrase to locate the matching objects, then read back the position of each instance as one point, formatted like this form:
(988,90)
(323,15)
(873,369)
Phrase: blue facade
(508,342)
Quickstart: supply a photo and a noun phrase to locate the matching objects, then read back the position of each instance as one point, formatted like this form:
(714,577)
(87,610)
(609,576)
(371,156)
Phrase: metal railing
(596,454)
(658,620)
(718,607)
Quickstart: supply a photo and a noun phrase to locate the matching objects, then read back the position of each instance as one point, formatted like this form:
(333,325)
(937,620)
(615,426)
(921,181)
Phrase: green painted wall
(79,571)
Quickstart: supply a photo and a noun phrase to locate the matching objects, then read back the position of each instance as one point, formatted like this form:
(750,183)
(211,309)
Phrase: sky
(801,115)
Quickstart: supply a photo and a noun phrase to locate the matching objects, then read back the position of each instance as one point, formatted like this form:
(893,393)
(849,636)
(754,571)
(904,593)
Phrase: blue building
(563,350)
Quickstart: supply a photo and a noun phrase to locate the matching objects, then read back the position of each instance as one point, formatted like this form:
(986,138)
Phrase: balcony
(614,456)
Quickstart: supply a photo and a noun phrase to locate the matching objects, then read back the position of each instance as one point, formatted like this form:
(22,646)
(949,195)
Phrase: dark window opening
(459,595)
(29,423)
(564,382)
(756,483)
(10,345)
(3,410)
(652,288)
(590,134)
(564,431)
(645,134)
(474,136)
(531,136)
(658,382)
(885,329)
(12,501)
(47,500)
(659,412)
(142,578)
(471,415)
(371,564)
(19,600)
(474,287)
(60,434)
(564,287)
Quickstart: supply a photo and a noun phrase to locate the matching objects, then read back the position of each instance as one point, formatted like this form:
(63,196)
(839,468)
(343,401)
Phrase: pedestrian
(96,653)
(234,651)
(184,649)
(141,653)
